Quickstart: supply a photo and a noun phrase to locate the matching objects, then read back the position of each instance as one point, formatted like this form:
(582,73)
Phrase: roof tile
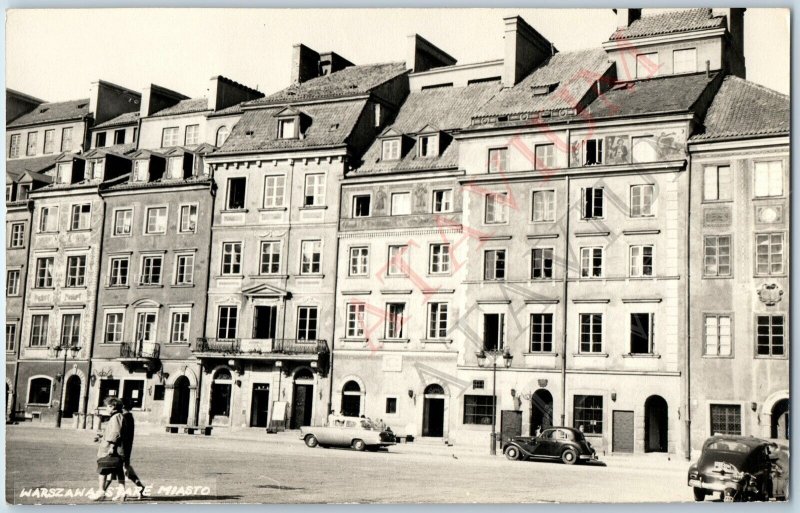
(669,23)
(52,112)
(128,118)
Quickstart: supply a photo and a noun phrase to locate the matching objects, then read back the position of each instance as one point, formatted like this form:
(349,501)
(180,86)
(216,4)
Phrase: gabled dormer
(292,123)
(148,166)
(393,144)
(20,188)
(431,141)
(104,165)
(70,169)
(182,164)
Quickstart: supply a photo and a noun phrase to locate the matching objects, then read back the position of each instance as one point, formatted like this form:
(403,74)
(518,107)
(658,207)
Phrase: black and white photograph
(397,255)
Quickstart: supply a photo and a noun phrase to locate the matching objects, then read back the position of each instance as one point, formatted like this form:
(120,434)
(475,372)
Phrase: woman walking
(109,461)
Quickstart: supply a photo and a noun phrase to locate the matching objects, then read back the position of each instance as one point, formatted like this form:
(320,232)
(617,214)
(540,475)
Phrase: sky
(55,54)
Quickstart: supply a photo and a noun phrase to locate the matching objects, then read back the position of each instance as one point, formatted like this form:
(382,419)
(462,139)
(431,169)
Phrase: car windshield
(728,445)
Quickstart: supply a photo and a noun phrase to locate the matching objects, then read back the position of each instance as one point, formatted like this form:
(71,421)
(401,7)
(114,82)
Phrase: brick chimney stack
(525,50)
(422,55)
(734,49)
(308,64)
(627,16)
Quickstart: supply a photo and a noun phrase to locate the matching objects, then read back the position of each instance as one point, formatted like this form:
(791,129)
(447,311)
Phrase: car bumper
(587,457)
(714,486)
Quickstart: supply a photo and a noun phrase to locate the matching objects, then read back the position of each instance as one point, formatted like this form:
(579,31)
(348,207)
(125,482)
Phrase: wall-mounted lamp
(410,393)
(614,396)
(92,379)
(59,376)
(754,406)
(238,382)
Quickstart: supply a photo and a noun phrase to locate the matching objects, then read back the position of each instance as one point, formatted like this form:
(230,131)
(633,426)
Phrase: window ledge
(150,285)
(768,357)
(80,230)
(272,209)
(351,339)
(310,276)
(16,247)
(715,356)
(540,354)
(641,355)
(394,340)
(118,286)
(447,341)
(233,211)
(43,288)
(182,285)
(81,287)
(269,276)
(314,207)
(590,355)
(120,235)
(717,277)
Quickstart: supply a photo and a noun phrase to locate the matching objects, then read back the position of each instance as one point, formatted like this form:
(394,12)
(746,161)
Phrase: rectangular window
(314,191)
(123,222)
(541,333)
(359,261)
(311,257)
(427,146)
(133,393)
(76,271)
(226,322)
(71,330)
(717,183)
(270,257)
(13,149)
(591,262)
(237,188)
(391,405)
(541,263)
(768,179)
(398,264)
(118,276)
(592,152)
(587,412)
(494,264)
(593,202)
(12,283)
(151,270)
(726,419)
(442,201)
(184,269)
(66,139)
(179,333)
(479,409)
(395,320)
(642,200)
(591,333)
(390,150)
(497,160)
(307,323)
(496,209)
(717,255)
(119,136)
(439,262)
(81,217)
(188,221)
(769,337)
(11,336)
(545,156)
(641,261)
(113,331)
(718,335)
(361,205)
(49,141)
(274,191)
(544,206)
(376,114)
(156,220)
(494,331)
(100,140)
(40,326)
(17,235)
(231,258)
(684,61)
(401,203)
(287,128)
(355,320)
(437,320)
(169,137)
(192,134)
(48,219)
(32,144)
(44,273)
(646,65)
(642,331)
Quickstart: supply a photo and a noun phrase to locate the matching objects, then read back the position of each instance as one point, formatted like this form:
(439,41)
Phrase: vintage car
(556,443)
(358,433)
(740,468)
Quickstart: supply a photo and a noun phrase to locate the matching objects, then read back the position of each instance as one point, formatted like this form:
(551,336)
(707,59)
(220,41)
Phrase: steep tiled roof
(445,109)
(227,111)
(16,167)
(330,125)
(565,76)
(51,112)
(351,81)
(124,183)
(669,23)
(184,107)
(745,109)
(116,149)
(127,118)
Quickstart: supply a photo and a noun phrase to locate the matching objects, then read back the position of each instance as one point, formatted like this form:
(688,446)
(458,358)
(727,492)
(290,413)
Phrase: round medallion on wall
(770,294)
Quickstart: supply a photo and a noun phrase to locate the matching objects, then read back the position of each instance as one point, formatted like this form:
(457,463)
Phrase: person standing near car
(126,437)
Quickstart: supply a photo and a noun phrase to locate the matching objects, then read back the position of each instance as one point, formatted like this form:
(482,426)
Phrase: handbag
(109,462)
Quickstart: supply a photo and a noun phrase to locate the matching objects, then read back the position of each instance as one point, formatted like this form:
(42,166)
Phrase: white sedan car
(358,433)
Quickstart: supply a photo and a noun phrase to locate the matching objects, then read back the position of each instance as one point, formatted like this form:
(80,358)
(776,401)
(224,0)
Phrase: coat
(112,433)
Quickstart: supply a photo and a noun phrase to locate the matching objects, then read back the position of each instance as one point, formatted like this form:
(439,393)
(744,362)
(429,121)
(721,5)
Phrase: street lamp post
(66,348)
(482,356)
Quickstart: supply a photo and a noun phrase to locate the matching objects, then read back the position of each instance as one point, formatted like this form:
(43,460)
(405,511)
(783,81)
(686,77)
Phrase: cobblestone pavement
(254,467)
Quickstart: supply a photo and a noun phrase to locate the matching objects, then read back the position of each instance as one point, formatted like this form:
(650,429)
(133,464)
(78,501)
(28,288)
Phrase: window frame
(718,193)
(307,327)
(438,319)
(181,218)
(400,194)
(227,321)
(16,236)
(177,271)
(500,150)
(115,220)
(543,260)
(391,149)
(111,261)
(651,339)
(354,321)
(716,255)
(395,325)
(195,132)
(75,275)
(441,260)
(768,162)
(42,223)
(475,417)
(229,190)
(643,187)
(551,157)
(362,261)
(640,265)
(49,262)
(318,190)
(594,207)
(592,332)
(232,264)
(12,328)
(40,332)
(542,333)
(355,206)
(404,257)
(590,272)
(447,198)
(14,281)
(81,215)
(150,282)
(311,265)
(548,211)
(771,335)
(272,261)
(769,254)
(503,205)
(675,52)
(491,274)
(121,324)
(737,406)
(152,208)
(173,139)
(174,312)
(274,200)
(718,345)
(592,425)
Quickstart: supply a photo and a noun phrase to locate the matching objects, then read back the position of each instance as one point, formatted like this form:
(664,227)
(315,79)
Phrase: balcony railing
(255,346)
(150,350)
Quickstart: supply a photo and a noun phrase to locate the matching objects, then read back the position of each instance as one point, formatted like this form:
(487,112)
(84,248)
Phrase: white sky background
(56,54)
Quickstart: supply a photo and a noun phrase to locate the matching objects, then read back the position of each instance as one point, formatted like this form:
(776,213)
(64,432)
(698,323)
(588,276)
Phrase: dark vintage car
(740,468)
(557,443)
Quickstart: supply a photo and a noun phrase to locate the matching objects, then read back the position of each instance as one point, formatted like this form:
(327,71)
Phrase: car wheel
(512,453)
(312,441)
(699,494)
(359,445)
(569,456)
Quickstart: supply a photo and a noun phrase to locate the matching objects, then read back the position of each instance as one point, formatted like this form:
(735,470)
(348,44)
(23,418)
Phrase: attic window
(437,86)
(390,149)
(541,90)
(287,128)
(502,118)
(427,146)
(82,105)
(334,127)
(42,111)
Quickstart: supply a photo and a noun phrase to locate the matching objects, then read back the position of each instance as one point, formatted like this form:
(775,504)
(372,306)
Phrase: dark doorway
(221,396)
(779,427)
(493,331)
(541,411)
(655,424)
(180,401)
(264,321)
(351,399)
(259,406)
(301,410)
(72,396)
(622,431)
(433,411)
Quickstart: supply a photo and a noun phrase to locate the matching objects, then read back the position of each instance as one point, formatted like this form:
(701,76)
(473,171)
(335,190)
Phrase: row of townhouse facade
(595,238)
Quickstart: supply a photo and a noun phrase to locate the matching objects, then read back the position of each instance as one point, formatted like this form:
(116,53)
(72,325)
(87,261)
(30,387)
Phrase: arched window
(351,386)
(222,375)
(304,374)
(222,135)
(351,399)
(39,390)
(434,390)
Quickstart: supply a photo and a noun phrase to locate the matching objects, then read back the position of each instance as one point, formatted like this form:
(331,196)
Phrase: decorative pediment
(145,303)
(428,130)
(287,112)
(264,290)
(390,132)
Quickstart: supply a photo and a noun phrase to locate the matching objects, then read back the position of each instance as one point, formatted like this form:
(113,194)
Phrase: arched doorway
(779,424)
(220,407)
(541,410)
(72,397)
(302,399)
(180,401)
(655,424)
(433,411)
(351,399)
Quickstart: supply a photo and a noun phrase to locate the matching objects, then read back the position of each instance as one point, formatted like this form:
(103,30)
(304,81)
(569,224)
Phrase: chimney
(733,53)
(107,100)
(224,92)
(422,55)
(156,98)
(305,63)
(525,49)
(627,16)
(331,62)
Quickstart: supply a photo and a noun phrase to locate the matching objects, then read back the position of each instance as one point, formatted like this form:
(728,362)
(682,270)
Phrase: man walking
(126,446)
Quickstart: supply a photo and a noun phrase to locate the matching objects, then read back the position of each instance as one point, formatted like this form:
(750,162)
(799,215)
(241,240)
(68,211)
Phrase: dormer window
(428,146)
(287,128)
(64,172)
(140,171)
(95,170)
(176,167)
(684,61)
(647,65)
(391,149)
